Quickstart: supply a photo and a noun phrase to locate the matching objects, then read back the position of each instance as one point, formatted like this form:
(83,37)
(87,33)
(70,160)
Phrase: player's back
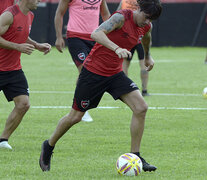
(83,16)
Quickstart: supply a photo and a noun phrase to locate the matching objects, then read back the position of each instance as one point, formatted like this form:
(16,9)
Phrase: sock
(50,148)
(3,139)
(136,153)
(144,91)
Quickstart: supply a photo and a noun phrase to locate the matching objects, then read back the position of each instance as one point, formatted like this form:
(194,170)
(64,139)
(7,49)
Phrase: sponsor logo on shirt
(19,28)
(85,103)
(81,56)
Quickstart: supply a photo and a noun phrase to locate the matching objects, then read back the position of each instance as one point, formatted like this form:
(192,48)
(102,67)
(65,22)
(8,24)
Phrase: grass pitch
(175,132)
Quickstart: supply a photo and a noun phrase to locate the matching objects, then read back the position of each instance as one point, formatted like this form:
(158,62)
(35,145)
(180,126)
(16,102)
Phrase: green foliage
(174,139)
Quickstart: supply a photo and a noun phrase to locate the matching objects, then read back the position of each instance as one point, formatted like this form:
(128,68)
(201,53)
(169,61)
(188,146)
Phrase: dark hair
(151,7)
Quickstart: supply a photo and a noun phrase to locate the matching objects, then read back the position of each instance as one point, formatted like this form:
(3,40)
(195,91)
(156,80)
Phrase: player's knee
(23,107)
(75,119)
(141,110)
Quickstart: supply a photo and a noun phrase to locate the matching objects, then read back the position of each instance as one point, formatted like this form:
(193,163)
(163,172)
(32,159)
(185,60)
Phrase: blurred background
(182,23)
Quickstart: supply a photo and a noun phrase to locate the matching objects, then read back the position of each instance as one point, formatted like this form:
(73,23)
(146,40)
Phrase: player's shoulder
(14,10)
(127,13)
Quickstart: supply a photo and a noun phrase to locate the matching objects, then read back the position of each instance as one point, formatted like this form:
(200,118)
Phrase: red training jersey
(105,62)
(5,4)
(18,32)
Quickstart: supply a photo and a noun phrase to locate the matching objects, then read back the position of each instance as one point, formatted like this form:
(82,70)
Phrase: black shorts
(91,87)
(79,49)
(13,84)
(140,52)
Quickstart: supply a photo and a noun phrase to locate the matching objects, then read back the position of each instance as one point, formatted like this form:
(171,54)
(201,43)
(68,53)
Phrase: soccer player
(15,25)
(102,72)
(144,75)
(83,19)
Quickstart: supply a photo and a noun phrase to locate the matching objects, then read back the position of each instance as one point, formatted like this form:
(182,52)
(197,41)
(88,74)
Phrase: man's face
(142,18)
(32,4)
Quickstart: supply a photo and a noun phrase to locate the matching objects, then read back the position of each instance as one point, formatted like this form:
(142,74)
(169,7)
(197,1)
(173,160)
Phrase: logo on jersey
(85,103)
(133,85)
(91,2)
(125,35)
(140,38)
(19,28)
(81,56)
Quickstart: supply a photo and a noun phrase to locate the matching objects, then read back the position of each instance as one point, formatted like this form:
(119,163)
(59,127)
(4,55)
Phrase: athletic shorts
(91,87)
(13,84)
(79,49)
(140,52)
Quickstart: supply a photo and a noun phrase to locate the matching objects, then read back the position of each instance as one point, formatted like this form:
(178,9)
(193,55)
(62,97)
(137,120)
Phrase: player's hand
(43,47)
(25,48)
(149,63)
(59,44)
(123,53)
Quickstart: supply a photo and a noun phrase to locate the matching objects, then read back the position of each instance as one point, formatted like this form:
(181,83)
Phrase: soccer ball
(129,164)
(205,92)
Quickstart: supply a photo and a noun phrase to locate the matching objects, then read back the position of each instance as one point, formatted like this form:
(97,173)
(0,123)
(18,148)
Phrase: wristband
(116,49)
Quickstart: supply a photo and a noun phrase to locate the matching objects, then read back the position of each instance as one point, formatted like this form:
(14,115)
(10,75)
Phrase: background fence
(182,23)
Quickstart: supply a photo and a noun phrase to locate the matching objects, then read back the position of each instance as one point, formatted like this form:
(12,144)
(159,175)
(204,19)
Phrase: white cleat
(87,117)
(5,144)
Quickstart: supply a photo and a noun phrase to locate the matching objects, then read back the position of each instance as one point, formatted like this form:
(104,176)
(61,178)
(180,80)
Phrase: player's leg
(21,107)
(144,74)
(16,90)
(63,126)
(125,89)
(82,101)
(126,62)
(138,106)
(79,50)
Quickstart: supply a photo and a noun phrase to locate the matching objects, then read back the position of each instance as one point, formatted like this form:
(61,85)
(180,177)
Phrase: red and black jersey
(106,62)
(18,32)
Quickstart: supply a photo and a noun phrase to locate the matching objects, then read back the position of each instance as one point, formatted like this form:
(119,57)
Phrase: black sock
(50,148)
(144,91)
(3,139)
(136,153)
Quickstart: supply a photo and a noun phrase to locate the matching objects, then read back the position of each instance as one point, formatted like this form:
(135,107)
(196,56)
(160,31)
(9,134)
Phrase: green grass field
(175,133)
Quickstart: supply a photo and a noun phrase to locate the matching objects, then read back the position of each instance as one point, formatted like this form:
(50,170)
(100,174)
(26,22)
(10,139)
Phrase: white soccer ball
(205,92)
(129,164)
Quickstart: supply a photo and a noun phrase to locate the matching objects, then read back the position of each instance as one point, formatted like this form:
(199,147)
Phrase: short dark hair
(151,7)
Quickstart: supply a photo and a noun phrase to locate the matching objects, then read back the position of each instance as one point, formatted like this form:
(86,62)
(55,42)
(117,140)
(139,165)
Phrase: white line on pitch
(111,107)
(153,94)
(174,94)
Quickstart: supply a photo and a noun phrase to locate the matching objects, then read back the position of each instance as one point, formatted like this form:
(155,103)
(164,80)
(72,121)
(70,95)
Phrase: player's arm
(58,21)
(6,19)
(116,21)
(146,43)
(105,14)
(43,47)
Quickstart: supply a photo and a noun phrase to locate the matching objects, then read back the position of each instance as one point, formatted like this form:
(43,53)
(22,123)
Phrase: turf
(174,139)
